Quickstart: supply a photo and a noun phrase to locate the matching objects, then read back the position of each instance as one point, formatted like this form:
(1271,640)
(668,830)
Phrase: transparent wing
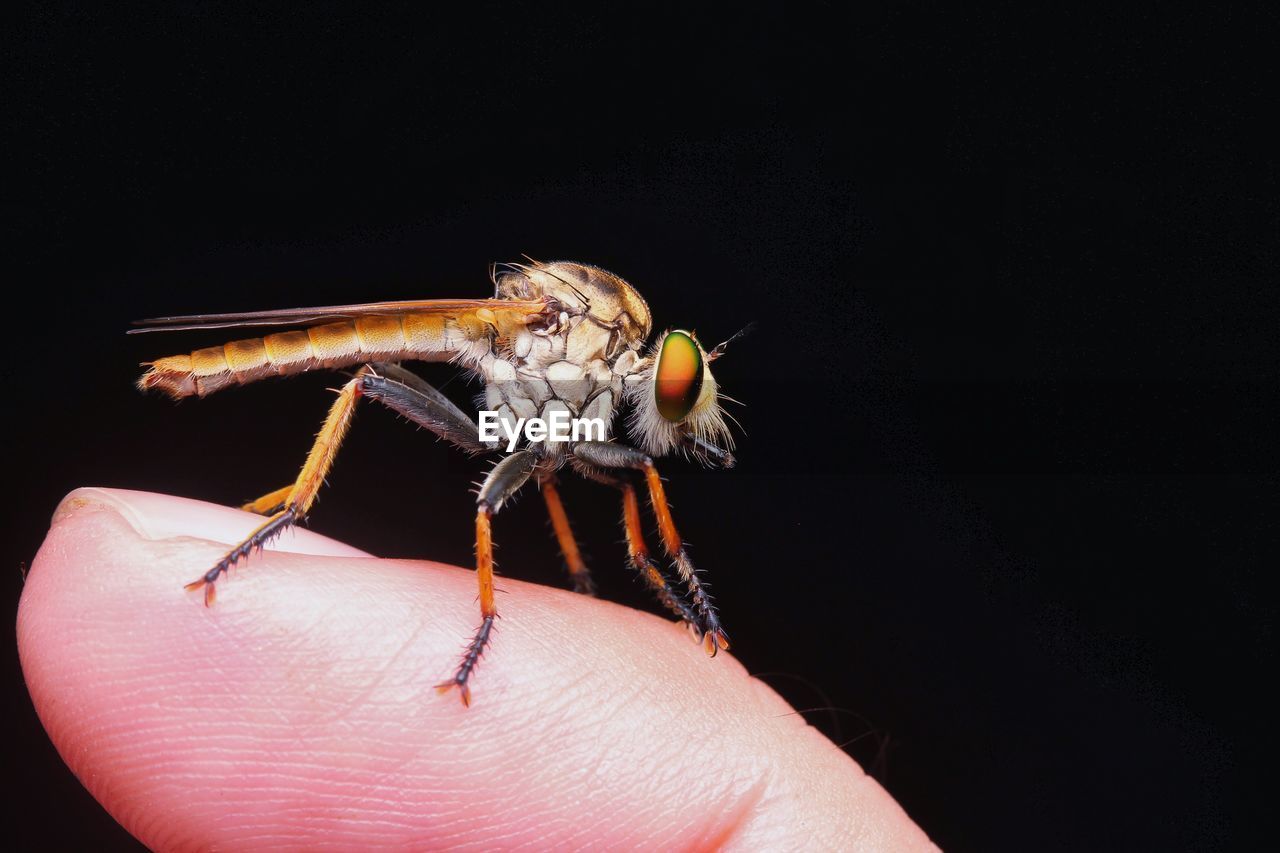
(302,316)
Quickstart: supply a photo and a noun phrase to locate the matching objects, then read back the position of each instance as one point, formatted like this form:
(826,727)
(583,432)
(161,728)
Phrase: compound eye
(678,379)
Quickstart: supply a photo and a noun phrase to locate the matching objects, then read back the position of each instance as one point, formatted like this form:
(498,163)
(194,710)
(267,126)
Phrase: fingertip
(314,714)
(157,516)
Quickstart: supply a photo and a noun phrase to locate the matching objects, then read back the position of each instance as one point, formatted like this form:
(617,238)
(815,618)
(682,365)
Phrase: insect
(556,338)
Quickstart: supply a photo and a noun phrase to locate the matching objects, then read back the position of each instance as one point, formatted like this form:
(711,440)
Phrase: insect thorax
(576,364)
(565,370)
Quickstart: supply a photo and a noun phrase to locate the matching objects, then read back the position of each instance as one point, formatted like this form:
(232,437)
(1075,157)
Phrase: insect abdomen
(422,337)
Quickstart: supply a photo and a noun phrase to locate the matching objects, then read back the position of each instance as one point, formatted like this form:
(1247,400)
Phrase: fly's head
(675,401)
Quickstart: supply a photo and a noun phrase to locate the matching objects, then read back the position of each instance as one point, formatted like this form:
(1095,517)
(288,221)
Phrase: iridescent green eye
(678,379)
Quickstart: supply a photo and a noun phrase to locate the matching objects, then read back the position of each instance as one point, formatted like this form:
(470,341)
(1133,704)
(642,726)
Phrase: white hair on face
(658,436)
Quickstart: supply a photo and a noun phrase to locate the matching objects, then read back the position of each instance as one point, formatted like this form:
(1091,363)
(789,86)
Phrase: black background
(999,505)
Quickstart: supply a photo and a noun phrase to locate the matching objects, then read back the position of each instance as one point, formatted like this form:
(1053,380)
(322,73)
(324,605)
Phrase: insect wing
(303,316)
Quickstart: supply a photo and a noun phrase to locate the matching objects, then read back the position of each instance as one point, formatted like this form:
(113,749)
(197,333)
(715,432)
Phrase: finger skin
(298,712)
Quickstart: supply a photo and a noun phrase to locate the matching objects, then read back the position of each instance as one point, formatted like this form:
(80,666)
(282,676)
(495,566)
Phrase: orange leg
(638,555)
(604,455)
(488,609)
(302,493)
(269,503)
(388,384)
(714,636)
(503,481)
(409,395)
(578,571)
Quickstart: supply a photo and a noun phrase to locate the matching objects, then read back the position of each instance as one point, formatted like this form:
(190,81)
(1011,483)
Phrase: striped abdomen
(464,337)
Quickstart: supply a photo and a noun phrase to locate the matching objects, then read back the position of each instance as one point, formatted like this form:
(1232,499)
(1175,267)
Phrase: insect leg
(601,454)
(412,396)
(638,553)
(407,394)
(578,571)
(302,493)
(270,503)
(503,481)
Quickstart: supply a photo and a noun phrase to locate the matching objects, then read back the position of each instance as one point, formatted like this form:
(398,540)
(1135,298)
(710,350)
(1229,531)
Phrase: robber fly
(559,336)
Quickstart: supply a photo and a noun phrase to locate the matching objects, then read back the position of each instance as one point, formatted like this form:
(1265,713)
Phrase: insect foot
(468,665)
(257,540)
(583,584)
(715,640)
